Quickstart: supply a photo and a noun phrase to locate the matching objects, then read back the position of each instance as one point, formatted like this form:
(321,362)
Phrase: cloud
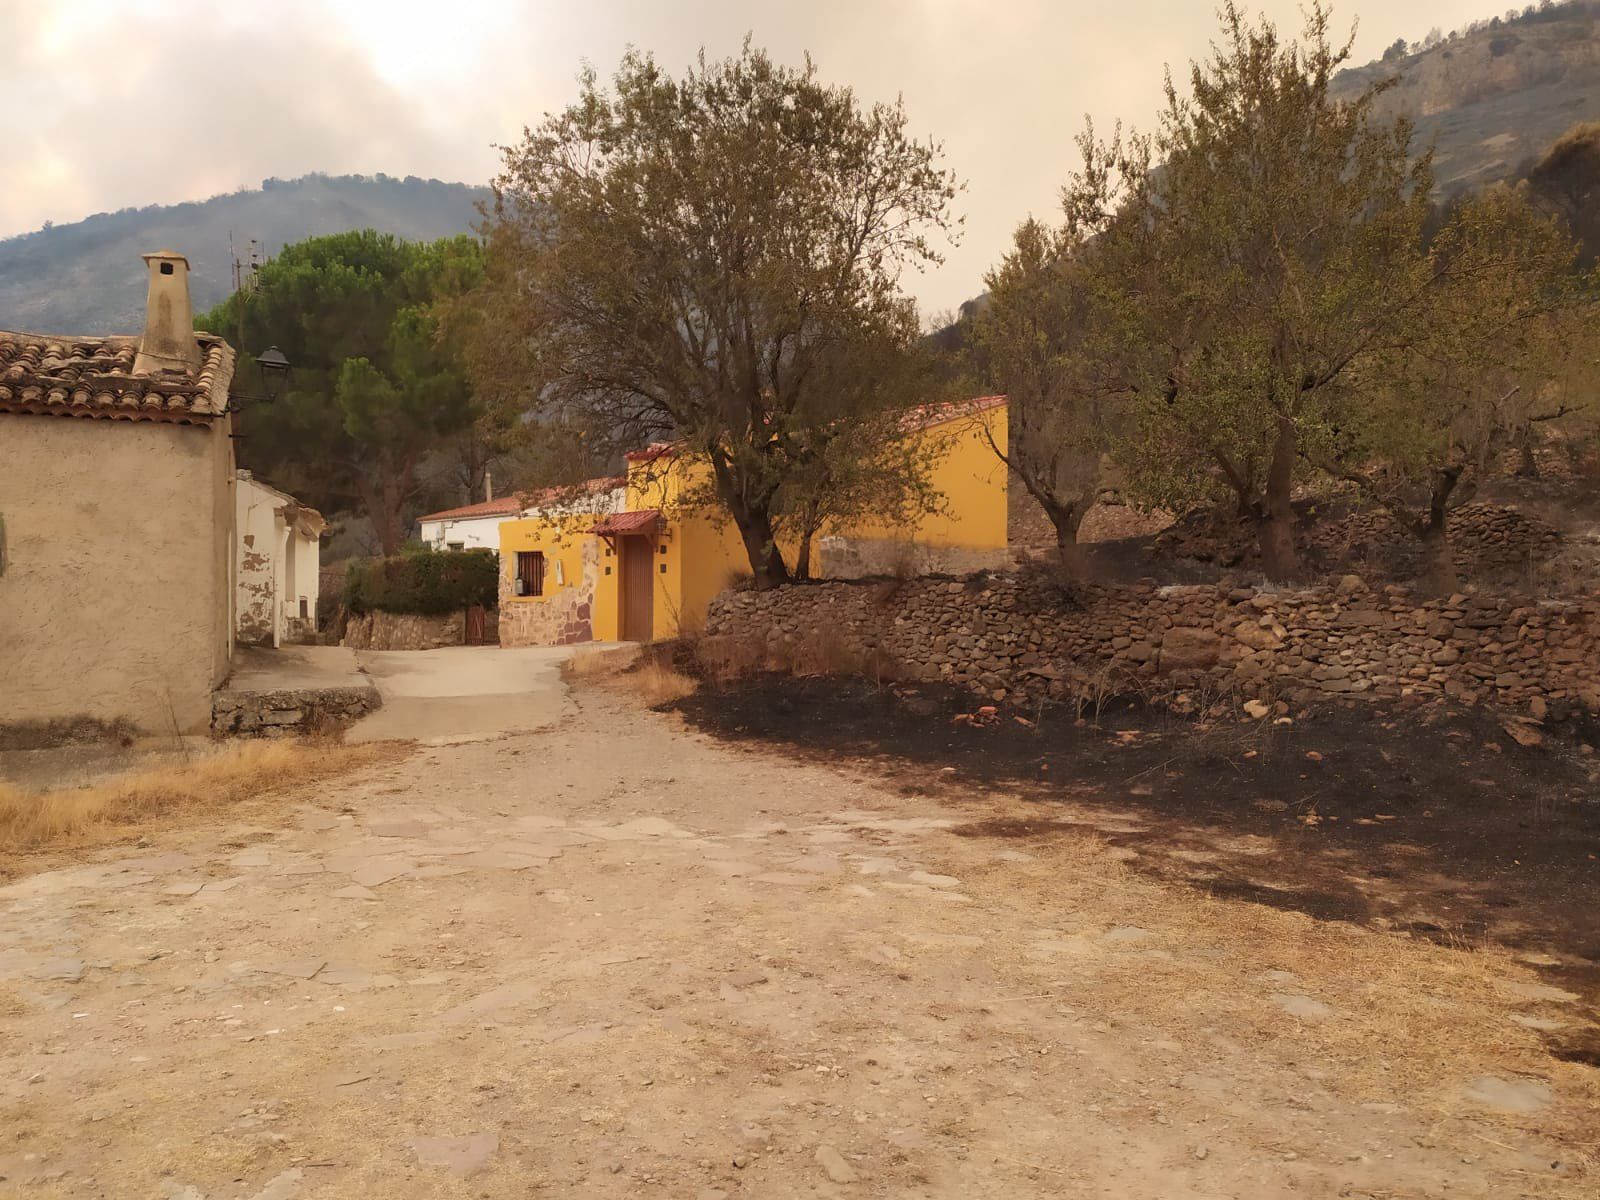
(113,103)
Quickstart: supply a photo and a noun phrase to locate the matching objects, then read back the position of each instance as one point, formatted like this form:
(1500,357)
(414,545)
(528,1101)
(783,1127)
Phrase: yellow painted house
(650,570)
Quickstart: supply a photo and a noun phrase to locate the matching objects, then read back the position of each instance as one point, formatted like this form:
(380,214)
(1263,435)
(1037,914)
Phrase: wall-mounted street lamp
(274,369)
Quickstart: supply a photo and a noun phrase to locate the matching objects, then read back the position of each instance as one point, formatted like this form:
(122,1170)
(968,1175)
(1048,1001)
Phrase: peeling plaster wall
(116,598)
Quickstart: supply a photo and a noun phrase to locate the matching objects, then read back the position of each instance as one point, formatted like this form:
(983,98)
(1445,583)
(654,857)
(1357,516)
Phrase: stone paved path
(614,958)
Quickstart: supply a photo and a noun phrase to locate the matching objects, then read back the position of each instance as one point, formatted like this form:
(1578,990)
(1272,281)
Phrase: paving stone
(398,828)
(439,871)
(817,864)
(1538,992)
(504,996)
(929,879)
(647,827)
(186,887)
(284,1186)
(499,860)
(1511,1095)
(1542,1024)
(255,856)
(317,821)
(1303,1007)
(1126,934)
(730,868)
(379,872)
(731,994)
(785,877)
(460,1156)
(834,1166)
(69,970)
(355,892)
(304,968)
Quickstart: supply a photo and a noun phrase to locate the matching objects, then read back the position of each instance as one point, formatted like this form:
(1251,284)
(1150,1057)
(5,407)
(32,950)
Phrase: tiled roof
(93,377)
(513,505)
(926,416)
(643,521)
(506,506)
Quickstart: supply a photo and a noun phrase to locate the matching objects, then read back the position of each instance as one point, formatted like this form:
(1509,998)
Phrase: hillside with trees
(1491,99)
(85,277)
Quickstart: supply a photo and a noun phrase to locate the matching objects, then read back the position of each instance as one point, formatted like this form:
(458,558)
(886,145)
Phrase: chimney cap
(164,256)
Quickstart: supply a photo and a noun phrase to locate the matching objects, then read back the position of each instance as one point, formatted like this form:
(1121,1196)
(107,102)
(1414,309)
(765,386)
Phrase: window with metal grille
(530,573)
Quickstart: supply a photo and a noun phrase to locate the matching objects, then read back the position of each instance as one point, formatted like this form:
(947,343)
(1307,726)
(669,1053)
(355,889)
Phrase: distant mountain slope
(1493,101)
(86,277)
(1494,97)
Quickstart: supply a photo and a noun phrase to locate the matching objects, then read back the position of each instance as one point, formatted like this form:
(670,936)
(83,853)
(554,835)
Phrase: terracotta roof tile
(93,377)
(642,521)
(514,504)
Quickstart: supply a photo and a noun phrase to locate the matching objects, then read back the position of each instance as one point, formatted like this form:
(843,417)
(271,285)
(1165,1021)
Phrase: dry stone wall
(410,631)
(285,712)
(1016,639)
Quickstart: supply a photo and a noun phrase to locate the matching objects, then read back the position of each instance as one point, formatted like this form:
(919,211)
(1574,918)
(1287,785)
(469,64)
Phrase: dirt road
(617,958)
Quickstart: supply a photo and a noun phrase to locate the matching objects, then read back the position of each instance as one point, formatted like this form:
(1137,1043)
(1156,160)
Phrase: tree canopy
(714,259)
(1254,290)
(376,383)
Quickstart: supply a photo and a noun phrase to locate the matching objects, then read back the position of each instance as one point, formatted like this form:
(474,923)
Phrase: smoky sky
(107,104)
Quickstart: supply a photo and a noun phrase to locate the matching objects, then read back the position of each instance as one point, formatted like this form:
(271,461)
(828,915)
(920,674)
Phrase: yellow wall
(701,549)
(972,480)
(561,540)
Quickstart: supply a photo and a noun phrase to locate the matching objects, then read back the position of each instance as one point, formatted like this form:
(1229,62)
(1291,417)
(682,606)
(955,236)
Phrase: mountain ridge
(85,277)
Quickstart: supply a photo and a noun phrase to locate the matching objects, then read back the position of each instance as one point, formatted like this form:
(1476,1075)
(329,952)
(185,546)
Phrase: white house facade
(277,566)
(477,526)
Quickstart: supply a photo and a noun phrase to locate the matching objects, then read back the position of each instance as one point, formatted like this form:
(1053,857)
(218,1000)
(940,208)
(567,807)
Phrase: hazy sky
(111,103)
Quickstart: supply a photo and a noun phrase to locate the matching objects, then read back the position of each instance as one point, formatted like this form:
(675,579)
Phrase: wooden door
(637,556)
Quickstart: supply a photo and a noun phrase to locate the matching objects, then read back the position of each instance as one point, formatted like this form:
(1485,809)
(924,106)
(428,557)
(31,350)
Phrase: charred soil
(1434,822)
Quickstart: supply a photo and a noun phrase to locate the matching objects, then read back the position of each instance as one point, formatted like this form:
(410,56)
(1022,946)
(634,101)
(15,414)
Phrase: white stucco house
(279,557)
(478,525)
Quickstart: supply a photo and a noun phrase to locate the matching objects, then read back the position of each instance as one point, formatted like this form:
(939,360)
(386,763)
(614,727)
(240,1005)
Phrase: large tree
(714,259)
(1047,345)
(1263,259)
(1417,428)
(377,385)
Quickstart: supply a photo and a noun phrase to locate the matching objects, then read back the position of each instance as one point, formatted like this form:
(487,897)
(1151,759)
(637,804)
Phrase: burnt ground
(1430,822)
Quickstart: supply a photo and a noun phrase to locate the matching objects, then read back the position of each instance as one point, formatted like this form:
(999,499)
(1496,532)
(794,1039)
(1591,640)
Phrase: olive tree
(714,259)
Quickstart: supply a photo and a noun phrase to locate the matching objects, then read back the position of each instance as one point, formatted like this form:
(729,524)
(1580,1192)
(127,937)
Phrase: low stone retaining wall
(410,631)
(283,713)
(1022,640)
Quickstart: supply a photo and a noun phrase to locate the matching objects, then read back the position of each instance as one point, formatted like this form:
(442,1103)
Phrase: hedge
(429,584)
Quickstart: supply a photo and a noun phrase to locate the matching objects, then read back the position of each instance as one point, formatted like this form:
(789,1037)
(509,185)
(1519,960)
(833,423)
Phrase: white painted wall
(278,564)
(470,532)
(475,532)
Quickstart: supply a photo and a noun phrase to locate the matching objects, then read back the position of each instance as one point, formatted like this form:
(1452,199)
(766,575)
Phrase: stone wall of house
(283,713)
(412,631)
(866,558)
(1017,639)
(562,616)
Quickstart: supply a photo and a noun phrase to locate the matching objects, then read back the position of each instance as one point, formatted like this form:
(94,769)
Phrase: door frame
(625,631)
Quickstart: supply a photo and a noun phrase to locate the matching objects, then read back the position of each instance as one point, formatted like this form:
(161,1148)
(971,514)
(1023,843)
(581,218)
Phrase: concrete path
(462,693)
(294,669)
(619,960)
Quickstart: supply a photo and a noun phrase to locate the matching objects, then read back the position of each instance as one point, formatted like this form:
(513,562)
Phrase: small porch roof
(646,521)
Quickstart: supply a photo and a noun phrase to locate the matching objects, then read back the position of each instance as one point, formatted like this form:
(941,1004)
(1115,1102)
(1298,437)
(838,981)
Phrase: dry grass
(646,676)
(31,819)
(1410,1019)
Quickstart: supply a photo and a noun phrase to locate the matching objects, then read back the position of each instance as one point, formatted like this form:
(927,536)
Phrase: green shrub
(428,584)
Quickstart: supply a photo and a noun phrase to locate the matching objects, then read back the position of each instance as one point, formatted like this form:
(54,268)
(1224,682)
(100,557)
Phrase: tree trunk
(1528,466)
(1066,518)
(1440,572)
(754,522)
(1278,558)
(802,558)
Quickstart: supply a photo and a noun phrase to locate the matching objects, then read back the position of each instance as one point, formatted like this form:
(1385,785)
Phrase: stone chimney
(168,342)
